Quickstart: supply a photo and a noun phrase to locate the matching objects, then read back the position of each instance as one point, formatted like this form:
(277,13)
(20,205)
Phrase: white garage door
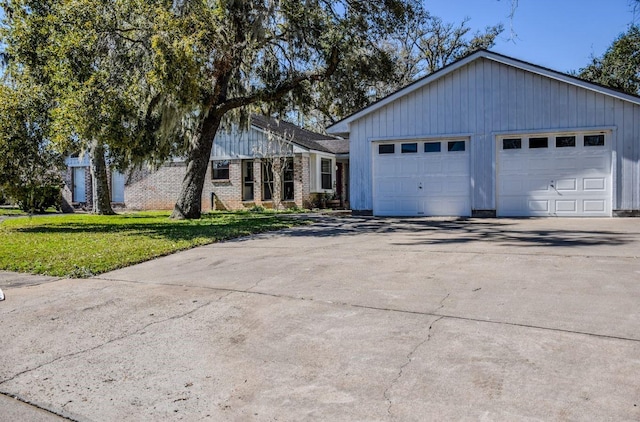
(554,175)
(429,178)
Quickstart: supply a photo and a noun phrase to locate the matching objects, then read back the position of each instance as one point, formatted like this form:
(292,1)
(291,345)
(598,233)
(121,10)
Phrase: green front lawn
(85,245)
(6,210)
(11,211)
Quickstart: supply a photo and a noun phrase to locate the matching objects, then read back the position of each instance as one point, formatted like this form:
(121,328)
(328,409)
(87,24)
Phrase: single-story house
(492,135)
(317,166)
(78,188)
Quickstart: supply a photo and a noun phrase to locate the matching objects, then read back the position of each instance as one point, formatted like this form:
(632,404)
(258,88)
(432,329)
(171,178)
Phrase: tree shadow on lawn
(513,232)
(174,231)
(416,231)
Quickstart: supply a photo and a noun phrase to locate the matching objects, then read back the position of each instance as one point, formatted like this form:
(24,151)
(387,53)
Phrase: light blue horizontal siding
(485,97)
(243,143)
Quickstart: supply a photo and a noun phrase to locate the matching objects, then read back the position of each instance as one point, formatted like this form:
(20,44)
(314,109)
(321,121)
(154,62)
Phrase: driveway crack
(387,391)
(441,304)
(113,340)
(390,309)
(37,406)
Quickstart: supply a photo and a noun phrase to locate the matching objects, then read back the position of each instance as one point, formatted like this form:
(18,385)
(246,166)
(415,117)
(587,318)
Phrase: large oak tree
(73,53)
(619,66)
(211,59)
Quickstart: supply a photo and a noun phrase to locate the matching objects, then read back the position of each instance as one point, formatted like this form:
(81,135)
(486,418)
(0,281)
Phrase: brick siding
(147,189)
(158,190)
(69,202)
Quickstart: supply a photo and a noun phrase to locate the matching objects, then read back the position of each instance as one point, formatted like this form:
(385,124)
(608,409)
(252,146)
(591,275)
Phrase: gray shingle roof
(336,146)
(302,137)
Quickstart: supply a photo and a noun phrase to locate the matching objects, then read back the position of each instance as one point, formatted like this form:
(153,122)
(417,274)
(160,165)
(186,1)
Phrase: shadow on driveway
(526,232)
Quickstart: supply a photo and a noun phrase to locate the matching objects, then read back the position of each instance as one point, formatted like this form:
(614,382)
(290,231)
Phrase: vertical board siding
(485,97)
(636,144)
(628,156)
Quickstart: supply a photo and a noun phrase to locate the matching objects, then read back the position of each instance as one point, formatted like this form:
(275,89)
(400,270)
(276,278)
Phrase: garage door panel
(432,167)
(537,164)
(410,206)
(433,187)
(568,181)
(537,185)
(566,206)
(407,187)
(427,183)
(407,167)
(386,168)
(538,205)
(594,184)
(458,185)
(510,187)
(511,163)
(595,206)
(446,206)
(386,187)
(566,184)
(595,163)
(385,207)
(457,166)
(568,164)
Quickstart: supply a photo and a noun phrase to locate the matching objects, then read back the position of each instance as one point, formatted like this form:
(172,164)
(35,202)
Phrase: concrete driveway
(349,319)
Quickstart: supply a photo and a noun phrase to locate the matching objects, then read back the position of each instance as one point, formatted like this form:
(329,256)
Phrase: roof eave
(559,76)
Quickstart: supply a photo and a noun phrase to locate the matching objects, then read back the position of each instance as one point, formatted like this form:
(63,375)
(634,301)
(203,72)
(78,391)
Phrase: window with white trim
(247,180)
(325,174)
(287,181)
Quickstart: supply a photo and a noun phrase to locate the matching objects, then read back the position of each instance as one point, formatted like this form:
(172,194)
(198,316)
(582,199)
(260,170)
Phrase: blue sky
(558,34)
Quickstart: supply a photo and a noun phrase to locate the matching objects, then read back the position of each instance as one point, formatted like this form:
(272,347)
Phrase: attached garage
(491,135)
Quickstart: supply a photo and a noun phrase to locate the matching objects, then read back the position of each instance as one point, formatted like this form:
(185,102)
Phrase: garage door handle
(552,185)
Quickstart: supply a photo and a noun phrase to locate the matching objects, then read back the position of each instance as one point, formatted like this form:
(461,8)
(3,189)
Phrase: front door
(247,180)
(117,187)
(339,181)
(79,192)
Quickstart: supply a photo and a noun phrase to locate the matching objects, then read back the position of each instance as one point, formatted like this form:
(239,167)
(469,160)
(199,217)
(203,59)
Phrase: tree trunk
(189,203)
(100,185)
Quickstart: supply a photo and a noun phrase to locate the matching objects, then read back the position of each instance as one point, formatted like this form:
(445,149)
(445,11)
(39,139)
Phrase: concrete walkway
(349,319)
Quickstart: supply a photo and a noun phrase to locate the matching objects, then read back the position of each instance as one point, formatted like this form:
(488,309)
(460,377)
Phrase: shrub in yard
(29,164)
(37,198)
(257,209)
